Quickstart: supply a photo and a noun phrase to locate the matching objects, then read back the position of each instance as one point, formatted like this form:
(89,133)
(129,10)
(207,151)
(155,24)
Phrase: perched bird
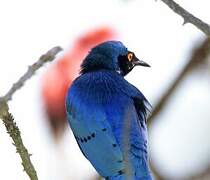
(107,114)
(58,77)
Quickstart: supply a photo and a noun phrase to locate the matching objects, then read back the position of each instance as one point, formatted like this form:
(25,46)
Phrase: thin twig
(49,56)
(8,120)
(188,17)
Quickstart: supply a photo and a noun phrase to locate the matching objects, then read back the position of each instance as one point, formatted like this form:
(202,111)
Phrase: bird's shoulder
(104,86)
(104,82)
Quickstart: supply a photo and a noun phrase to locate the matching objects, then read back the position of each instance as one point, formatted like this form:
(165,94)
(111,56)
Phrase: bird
(63,72)
(108,115)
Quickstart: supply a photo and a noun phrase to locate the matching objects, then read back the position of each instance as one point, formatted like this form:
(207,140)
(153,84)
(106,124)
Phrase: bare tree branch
(49,56)
(199,57)
(8,120)
(188,17)
(14,133)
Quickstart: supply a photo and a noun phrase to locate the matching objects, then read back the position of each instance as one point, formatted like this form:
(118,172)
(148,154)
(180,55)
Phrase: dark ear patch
(124,64)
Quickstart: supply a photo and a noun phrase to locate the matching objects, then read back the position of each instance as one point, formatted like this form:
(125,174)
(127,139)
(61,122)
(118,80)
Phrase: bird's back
(107,116)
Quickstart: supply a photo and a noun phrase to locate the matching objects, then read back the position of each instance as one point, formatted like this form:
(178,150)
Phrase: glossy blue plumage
(107,116)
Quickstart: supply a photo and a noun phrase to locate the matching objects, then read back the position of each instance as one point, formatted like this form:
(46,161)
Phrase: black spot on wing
(93,135)
(120,172)
(120,161)
(114,145)
(86,138)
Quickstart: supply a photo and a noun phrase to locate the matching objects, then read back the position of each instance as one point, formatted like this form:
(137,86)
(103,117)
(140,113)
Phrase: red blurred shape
(59,77)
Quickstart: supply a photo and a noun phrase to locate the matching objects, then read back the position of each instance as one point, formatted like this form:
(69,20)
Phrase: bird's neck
(97,62)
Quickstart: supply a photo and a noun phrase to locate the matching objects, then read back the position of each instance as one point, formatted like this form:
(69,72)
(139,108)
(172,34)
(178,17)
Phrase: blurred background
(177,85)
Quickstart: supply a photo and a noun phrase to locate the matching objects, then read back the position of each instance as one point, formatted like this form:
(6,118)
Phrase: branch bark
(14,133)
(188,17)
(49,56)
(8,120)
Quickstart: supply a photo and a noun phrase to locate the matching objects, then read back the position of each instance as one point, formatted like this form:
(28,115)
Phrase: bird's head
(111,55)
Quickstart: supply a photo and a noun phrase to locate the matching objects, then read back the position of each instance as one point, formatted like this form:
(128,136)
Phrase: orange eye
(130,56)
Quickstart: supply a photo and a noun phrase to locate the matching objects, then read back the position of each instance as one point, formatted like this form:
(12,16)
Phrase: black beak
(138,62)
